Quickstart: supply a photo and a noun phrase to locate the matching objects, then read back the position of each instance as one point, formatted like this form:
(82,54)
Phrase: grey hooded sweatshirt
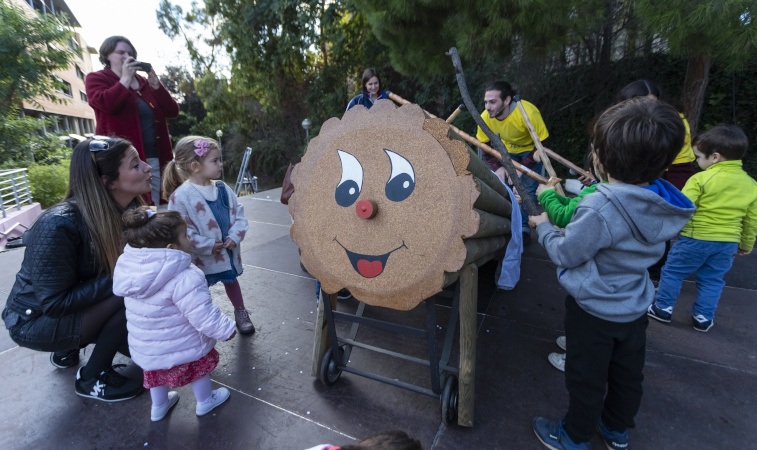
(615,234)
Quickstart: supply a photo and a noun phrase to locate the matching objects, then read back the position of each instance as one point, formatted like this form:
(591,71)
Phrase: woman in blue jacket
(371,90)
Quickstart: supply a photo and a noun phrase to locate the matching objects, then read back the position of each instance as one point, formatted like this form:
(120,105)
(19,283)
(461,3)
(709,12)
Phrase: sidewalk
(699,388)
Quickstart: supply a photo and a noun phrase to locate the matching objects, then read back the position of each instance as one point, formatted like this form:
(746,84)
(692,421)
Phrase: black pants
(603,371)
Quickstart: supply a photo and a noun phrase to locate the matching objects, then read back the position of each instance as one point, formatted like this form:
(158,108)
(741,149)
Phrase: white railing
(14,190)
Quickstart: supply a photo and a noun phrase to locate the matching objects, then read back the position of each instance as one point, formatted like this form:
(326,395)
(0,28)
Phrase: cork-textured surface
(398,257)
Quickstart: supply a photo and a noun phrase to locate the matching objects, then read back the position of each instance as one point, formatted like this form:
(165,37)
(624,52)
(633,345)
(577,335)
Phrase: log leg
(322,343)
(467,375)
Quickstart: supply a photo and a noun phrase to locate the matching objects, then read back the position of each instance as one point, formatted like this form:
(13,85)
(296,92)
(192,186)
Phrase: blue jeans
(709,259)
(529,184)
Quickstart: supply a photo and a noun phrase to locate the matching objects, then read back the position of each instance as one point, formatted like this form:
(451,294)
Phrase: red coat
(117,113)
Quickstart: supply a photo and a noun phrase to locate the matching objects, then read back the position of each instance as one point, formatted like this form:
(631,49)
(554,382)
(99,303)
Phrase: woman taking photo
(62,299)
(371,90)
(132,107)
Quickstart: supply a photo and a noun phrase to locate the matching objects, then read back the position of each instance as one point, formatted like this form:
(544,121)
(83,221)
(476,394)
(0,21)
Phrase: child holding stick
(602,258)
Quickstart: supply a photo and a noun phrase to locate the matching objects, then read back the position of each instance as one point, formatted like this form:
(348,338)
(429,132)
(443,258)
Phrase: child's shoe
(217,397)
(562,342)
(553,435)
(702,324)
(657,313)
(612,439)
(557,360)
(159,412)
(244,324)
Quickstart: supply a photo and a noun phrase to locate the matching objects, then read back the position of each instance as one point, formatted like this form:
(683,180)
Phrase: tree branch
(494,140)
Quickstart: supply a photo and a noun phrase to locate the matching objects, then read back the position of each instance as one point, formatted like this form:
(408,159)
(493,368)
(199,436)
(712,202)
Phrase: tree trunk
(694,86)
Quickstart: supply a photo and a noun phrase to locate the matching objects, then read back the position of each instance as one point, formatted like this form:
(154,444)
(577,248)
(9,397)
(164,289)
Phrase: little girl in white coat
(215,220)
(173,324)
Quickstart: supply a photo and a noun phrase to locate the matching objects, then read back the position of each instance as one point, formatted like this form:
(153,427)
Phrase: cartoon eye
(402,181)
(349,187)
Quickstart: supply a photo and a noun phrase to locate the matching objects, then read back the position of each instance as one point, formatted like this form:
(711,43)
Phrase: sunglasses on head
(99,143)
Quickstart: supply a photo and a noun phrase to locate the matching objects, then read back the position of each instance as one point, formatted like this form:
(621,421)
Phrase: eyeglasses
(99,143)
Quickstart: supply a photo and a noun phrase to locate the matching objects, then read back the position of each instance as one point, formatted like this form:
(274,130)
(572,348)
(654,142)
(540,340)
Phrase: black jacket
(59,275)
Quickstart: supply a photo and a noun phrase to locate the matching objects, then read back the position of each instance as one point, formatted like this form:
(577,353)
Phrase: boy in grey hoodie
(602,258)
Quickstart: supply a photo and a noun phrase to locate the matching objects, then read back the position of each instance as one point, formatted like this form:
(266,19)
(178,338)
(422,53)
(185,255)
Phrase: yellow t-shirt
(513,130)
(686,154)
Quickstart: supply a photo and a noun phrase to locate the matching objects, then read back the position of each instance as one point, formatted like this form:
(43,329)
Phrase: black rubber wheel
(329,373)
(449,400)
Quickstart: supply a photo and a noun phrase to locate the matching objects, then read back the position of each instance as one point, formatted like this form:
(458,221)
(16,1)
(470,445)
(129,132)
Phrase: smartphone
(144,67)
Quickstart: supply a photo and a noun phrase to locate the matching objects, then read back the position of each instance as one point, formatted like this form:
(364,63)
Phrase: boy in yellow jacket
(724,225)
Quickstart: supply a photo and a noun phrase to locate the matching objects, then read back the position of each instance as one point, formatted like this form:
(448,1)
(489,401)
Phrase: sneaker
(526,238)
(244,324)
(553,435)
(657,313)
(159,412)
(613,440)
(343,294)
(562,342)
(702,324)
(217,397)
(109,386)
(557,360)
(65,359)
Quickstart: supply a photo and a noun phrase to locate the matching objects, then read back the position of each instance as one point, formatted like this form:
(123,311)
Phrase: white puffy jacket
(170,315)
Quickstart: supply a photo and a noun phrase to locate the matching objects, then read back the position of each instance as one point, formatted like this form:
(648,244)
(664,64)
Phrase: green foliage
(32,49)
(49,183)
(191,109)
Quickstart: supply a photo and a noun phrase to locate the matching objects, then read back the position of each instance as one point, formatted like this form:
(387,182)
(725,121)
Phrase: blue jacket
(364,99)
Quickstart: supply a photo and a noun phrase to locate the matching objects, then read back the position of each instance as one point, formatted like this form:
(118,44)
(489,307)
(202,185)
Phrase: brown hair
(101,213)
(148,229)
(368,74)
(178,170)
(728,140)
(109,46)
(636,140)
(504,88)
(388,440)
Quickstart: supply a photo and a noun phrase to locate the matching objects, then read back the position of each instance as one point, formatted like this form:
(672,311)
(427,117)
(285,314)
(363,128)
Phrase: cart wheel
(329,373)
(449,400)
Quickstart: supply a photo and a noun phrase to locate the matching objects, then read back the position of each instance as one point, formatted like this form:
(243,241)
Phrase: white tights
(201,389)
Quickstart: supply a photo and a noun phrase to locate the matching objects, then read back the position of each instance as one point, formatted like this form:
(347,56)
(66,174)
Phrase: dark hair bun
(136,217)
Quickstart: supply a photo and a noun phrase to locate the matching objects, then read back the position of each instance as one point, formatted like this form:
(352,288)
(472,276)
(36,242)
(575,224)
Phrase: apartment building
(73,115)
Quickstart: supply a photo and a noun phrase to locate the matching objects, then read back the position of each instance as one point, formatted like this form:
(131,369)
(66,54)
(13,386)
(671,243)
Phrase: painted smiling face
(381,204)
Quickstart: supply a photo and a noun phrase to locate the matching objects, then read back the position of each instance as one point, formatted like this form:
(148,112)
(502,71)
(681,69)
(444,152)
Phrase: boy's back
(615,234)
(726,201)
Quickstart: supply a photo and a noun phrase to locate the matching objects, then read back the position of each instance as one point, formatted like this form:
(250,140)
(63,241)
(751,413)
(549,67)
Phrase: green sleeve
(560,209)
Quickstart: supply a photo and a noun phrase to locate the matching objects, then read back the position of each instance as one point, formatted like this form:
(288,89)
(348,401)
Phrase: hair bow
(150,213)
(202,147)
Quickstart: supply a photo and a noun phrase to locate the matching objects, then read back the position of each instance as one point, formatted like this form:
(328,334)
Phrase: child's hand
(232,336)
(217,247)
(741,252)
(542,188)
(229,244)
(534,221)
(586,180)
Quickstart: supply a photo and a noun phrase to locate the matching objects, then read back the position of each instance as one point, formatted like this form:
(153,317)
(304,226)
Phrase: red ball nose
(366,209)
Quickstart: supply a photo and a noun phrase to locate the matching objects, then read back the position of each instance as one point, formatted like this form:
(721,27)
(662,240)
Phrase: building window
(64,87)
(79,73)
(83,97)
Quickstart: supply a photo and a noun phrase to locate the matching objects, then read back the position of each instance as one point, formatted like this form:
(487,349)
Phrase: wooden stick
(567,163)
(455,114)
(519,167)
(467,369)
(533,208)
(537,143)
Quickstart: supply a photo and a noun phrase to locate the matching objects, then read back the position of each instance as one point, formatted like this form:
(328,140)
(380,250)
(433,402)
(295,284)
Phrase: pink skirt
(183,374)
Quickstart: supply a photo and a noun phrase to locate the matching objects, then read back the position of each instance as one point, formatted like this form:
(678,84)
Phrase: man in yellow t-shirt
(505,120)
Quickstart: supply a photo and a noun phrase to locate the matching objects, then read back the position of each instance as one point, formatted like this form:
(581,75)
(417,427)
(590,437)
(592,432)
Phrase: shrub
(49,183)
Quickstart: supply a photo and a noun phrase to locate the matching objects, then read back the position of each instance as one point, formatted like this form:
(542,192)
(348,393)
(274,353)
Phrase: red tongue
(369,269)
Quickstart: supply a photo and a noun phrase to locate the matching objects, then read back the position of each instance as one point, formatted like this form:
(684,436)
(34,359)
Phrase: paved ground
(699,391)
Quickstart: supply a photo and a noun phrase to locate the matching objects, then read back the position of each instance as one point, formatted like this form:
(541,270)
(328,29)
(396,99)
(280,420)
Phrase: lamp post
(307,125)
(219,133)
